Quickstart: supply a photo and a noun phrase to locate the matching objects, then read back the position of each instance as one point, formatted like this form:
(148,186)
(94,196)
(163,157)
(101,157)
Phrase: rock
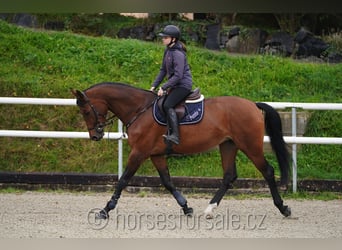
(309,45)
(26,20)
(334,58)
(279,43)
(248,43)
(212,41)
(234,32)
(138,32)
(233,44)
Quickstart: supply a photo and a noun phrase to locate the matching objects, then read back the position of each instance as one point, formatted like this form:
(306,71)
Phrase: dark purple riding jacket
(176,68)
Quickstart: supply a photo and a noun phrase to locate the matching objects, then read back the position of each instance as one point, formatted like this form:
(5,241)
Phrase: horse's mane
(119,84)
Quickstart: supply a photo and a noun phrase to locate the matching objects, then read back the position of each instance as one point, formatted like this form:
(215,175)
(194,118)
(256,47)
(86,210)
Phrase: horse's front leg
(161,165)
(122,183)
(134,162)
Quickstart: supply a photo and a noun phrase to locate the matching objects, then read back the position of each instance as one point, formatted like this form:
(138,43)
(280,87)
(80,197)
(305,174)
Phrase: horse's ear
(81,97)
(73,91)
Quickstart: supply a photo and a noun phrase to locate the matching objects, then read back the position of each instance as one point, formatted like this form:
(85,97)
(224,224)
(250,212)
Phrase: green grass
(37,63)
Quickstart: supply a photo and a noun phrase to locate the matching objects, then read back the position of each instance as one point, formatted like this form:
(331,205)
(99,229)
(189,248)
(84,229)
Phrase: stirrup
(172,138)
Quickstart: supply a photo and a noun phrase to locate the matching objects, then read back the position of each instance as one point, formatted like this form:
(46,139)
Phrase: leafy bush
(335,42)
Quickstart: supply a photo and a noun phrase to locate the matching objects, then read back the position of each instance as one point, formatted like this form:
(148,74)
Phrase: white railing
(120,135)
(304,140)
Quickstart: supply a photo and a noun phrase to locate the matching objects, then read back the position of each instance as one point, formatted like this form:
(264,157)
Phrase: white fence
(120,135)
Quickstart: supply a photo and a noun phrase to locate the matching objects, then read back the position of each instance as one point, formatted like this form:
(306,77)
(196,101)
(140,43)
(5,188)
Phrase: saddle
(194,97)
(189,111)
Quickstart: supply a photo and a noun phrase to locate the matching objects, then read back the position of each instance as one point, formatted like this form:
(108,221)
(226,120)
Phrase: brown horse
(232,123)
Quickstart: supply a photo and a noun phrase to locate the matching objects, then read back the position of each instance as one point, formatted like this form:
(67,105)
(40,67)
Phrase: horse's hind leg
(268,173)
(161,165)
(228,153)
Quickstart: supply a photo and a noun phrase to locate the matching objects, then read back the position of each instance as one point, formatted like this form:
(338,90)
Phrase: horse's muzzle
(96,137)
(98,134)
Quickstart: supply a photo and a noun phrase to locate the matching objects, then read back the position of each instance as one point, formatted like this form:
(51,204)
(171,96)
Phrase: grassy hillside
(38,63)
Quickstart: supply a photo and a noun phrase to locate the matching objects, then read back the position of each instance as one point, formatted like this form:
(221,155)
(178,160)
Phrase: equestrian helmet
(171,30)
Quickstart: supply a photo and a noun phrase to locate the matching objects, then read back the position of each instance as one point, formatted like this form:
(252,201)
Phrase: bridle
(99,126)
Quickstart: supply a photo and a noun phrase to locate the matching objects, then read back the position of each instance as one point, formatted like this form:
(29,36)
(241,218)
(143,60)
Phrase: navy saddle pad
(193,113)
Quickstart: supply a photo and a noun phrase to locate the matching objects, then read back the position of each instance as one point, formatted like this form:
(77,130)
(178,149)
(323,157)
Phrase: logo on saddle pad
(189,111)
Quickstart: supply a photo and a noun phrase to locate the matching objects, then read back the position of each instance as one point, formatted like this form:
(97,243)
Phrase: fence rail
(57,134)
(120,135)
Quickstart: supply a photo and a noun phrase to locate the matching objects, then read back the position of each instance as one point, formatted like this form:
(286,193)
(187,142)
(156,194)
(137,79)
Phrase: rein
(140,113)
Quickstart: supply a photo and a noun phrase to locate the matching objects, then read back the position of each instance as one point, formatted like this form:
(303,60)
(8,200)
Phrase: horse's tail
(274,130)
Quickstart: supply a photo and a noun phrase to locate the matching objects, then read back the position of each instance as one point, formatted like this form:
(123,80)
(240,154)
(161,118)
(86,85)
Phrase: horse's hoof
(98,219)
(287,211)
(283,187)
(188,211)
(103,215)
(209,214)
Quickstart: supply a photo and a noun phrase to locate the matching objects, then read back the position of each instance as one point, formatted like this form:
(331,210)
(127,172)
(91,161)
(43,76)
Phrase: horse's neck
(127,104)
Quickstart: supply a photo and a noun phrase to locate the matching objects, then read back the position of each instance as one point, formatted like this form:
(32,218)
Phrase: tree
(289,22)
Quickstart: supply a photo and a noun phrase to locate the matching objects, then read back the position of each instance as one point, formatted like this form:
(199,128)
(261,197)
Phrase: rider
(179,79)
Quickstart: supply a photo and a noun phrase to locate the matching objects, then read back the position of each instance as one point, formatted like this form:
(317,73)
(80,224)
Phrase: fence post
(294,151)
(120,149)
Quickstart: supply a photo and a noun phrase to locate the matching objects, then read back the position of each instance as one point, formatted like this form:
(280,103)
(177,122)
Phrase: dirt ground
(72,215)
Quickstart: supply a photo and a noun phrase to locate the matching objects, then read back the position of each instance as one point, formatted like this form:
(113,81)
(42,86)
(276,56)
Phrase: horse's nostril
(94,138)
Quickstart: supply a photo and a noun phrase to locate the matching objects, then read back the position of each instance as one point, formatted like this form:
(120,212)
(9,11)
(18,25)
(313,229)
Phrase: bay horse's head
(94,114)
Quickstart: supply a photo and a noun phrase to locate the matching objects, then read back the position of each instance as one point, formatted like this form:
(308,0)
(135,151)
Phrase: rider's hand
(161,92)
(152,89)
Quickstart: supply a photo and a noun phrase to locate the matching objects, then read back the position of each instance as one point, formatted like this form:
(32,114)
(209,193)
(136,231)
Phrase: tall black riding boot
(172,121)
